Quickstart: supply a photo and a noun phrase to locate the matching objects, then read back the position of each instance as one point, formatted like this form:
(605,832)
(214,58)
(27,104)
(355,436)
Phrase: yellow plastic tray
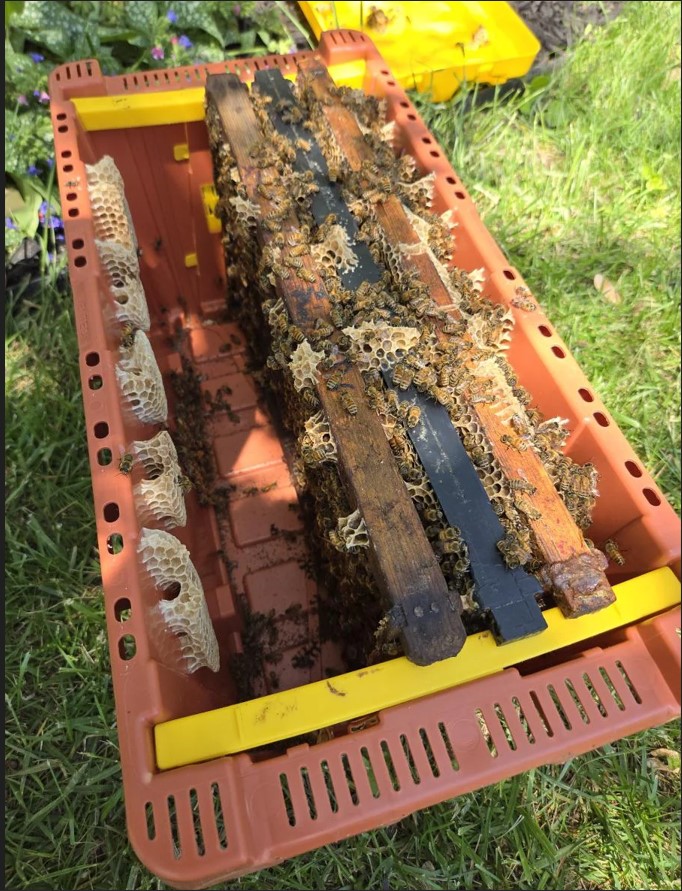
(436,47)
(289,713)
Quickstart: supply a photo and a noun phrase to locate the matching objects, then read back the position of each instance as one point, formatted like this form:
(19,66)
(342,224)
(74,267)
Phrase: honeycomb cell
(122,273)
(110,211)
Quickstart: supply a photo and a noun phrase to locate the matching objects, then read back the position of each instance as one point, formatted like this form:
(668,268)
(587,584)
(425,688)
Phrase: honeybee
(514,442)
(307,275)
(613,553)
(127,336)
(349,404)
(334,380)
(392,402)
(125,465)
(323,329)
(424,378)
(526,508)
(185,484)
(336,540)
(455,326)
(432,515)
(480,457)
(374,397)
(479,398)
(524,304)
(521,486)
(264,191)
(413,415)
(402,376)
(336,317)
(518,425)
(296,334)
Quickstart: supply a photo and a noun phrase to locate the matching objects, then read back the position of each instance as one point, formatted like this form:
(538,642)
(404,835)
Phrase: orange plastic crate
(196,825)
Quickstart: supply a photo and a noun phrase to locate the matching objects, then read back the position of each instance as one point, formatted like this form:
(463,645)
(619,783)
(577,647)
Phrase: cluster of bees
(458,359)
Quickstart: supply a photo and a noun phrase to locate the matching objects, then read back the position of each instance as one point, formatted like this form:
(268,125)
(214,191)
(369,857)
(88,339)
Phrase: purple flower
(50,162)
(236,9)
(59,237)
(55,223)
(36,93)
(32,170)
(51,257)
(36,57)
(9,223)
(41,96)
(184,41)
(171,16)
(22,100)
(157,52)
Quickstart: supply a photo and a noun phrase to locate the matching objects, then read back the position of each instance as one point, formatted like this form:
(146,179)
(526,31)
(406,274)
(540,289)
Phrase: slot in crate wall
(264,817)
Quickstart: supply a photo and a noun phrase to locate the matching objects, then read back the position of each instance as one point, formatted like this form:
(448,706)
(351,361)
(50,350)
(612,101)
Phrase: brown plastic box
(197,825)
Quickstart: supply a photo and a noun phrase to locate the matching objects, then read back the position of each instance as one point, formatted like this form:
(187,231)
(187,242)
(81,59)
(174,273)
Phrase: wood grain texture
(402,559)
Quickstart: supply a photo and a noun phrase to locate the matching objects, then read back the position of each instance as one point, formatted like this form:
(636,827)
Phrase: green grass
(584,180)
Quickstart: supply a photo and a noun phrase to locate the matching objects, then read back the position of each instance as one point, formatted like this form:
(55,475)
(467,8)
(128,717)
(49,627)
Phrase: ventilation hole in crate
(578,704)
(329,785)
(196,819)
(390,83)
(350,782)
(416,779)
(80,262)
(595,696)
(92,359)
(508,735)
(77,244)
(460,195)
(71,196)
(454,763)
(101,430)
(218,816)
(523,720)
(286,795)
(310,798)
(433,764)
(559,707)
(404,104)
(369,770)
(122,610)
(111,512)
(630,685)
(541,713)
(601,419)
(149,818)
(66,154)
(509,274)
(612,689)
(61,116)
(74,212)
(95,382)
(115,543)
(558,352)
(451,180)
(63,129)
(434,154)
(544,330)
(585,395)
(651,497)
(412,117)
(127,647)
(177,850)
(388,760)
(104,457)
(633,469)
(485,733)
(68,168)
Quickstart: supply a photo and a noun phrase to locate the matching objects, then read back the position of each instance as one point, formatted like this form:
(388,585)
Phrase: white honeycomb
(352,531)
(477,278)
(247,212)
(110,211)
(419,193)
(168,562)
(320,437)
(378,345)
(160,496)
(162,499)
(122,272)
(140,381)
(335,251)
(303,365)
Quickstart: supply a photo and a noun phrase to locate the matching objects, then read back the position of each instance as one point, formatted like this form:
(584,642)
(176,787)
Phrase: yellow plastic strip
(248,725)
(128,110)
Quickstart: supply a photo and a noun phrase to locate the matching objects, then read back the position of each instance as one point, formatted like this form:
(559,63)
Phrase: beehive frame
(196,825)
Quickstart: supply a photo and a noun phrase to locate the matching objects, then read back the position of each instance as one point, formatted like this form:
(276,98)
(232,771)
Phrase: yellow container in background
(436,47)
